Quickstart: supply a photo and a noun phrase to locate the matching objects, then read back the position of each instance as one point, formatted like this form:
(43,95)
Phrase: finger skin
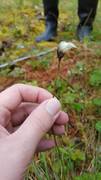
(58,129)
(22,112)
(3,132)
(19,147)
(14,95)
(45,145)
(62,118)
(37,123)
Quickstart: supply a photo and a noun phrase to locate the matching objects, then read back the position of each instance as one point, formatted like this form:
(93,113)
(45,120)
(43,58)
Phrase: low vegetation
(78,85)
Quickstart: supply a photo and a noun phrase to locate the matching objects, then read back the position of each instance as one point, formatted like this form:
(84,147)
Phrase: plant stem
(55,140)
(59,63)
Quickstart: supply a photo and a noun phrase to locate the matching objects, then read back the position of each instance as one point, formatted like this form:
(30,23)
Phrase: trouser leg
(51,20)
(51,9)
(87,11)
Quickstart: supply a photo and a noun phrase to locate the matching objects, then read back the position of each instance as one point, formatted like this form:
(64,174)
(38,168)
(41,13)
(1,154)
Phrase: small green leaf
(98,126)
(78,155)
(78,106)
(95,77)
(97,101)
(69,97)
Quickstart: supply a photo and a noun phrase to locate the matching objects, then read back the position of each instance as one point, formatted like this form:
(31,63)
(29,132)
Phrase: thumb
(38,123)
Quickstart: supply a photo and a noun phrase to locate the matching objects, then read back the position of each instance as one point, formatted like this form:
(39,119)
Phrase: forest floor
(77,85)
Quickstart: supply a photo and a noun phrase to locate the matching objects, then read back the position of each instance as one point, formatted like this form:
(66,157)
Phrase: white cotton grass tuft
(65,46)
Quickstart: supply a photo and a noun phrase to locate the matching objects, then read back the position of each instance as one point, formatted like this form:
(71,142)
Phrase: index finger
(14,95)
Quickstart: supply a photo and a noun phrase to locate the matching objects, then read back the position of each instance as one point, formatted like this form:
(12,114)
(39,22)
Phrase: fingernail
(53,106)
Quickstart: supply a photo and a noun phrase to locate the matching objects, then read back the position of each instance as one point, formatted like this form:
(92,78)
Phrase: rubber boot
(86,12)
(51,17)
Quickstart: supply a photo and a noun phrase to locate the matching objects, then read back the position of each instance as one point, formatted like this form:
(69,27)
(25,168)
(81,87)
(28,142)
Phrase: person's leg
(51,18)
(86,12)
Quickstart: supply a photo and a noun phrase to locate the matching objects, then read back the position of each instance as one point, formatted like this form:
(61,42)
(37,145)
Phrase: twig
(14,62)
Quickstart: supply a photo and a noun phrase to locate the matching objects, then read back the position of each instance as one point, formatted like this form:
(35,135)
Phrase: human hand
(26,114)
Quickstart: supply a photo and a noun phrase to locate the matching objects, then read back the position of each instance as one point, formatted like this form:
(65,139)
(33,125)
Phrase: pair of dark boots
(86,12)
